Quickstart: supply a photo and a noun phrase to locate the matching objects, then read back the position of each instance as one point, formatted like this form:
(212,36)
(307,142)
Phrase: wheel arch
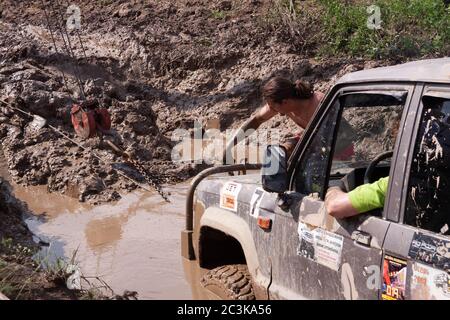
(232,227)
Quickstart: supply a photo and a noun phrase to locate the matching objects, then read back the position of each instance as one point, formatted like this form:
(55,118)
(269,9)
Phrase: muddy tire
(229,282)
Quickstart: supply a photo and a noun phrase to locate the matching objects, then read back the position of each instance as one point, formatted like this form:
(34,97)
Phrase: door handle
(361,237)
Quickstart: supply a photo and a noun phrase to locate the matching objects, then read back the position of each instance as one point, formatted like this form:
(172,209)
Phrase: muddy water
(132,244)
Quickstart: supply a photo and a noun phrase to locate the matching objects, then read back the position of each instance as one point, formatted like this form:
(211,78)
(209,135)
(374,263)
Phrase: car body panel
(430,70)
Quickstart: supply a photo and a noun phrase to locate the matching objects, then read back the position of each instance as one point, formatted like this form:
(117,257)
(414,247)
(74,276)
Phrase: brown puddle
(133,244)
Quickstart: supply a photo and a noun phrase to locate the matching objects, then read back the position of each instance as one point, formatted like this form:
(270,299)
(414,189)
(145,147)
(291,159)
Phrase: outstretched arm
(261,116)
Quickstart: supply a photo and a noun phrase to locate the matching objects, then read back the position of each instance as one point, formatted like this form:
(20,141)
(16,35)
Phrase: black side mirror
(274,170)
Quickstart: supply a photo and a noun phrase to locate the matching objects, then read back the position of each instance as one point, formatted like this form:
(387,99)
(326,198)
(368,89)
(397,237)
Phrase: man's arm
(363,199)
(261,116)
(338,204)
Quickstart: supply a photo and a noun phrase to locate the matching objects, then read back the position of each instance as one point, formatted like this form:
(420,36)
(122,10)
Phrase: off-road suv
(271,237)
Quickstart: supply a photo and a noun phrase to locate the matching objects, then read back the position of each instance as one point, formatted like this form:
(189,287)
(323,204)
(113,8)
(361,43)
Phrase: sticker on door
(428,283)
(320,246)
(430,250)
(394,278)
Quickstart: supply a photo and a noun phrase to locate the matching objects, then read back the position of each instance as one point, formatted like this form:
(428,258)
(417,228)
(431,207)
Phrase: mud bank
(22,277)
(157,66)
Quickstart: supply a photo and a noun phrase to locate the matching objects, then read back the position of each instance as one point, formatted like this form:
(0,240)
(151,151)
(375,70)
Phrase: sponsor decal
(255,202)
(430,250)
(428,283)
(229,196)
(394,278)
(320,246)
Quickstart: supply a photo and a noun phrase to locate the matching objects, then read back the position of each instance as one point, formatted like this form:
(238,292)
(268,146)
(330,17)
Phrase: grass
(24,274)
(218,14)
(414,28)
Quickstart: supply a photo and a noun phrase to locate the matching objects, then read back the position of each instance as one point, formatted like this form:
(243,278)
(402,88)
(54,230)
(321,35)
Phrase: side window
(428,203)
(368,126)
(311,172)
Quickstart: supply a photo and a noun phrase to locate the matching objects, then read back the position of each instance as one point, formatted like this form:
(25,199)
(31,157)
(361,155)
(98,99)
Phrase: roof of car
(431,70)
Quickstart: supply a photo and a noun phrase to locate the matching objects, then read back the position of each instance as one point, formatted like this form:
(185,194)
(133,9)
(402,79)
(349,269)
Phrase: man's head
(279,92)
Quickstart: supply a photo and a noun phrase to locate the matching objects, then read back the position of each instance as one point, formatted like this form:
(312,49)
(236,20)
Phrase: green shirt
(369,196)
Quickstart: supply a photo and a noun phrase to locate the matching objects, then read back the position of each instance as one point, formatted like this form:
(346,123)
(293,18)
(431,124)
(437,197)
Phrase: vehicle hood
(214,184)
(210,190)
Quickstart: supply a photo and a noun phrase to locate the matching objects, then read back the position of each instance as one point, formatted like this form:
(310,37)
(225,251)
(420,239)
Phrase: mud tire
(229,282)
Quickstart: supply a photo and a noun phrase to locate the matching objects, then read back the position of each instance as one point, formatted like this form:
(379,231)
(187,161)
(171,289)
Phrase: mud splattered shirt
(369,196)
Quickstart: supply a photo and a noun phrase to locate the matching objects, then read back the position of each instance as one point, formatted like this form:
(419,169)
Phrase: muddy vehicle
(268,235)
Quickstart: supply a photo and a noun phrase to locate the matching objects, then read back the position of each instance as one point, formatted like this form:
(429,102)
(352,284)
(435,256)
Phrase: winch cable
(54,44)
(157,187)
(60,10)
(68,47)
(58,28)
(79,36)
(150,180)
(139,166)
(77,65)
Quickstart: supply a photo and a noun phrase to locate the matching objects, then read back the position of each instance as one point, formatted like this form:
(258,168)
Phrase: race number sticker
(429,284)
(394,278)
(229,196)
(255,202)
(320,246)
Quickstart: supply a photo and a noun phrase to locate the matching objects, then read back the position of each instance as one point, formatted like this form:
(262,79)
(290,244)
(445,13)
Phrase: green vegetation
(218,14)
(24,274)
(414,28)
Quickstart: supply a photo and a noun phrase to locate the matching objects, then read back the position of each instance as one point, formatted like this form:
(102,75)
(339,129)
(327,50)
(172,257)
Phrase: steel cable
(68,48)
(54,44)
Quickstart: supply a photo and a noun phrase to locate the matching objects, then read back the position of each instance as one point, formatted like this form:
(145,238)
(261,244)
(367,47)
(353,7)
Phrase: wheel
(229,282)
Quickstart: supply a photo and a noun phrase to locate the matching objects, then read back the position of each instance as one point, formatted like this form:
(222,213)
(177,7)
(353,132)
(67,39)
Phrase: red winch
(88,119)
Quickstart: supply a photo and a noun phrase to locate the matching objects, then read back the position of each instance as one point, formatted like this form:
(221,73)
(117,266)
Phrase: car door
(318,256)
(417,247)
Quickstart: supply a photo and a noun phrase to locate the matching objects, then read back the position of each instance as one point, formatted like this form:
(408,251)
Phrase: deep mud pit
(157,66)
(132,244)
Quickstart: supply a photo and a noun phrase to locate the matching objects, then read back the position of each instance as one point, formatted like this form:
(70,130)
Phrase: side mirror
(274,170)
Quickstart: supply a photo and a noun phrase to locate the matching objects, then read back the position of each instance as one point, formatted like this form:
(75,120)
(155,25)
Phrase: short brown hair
(277,89)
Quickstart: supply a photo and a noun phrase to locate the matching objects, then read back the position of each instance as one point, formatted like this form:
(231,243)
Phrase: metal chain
(149,179)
